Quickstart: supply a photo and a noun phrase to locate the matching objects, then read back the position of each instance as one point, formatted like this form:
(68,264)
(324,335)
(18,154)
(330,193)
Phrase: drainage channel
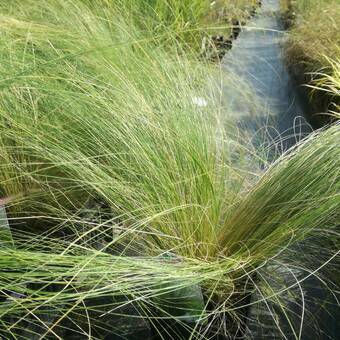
(257,59)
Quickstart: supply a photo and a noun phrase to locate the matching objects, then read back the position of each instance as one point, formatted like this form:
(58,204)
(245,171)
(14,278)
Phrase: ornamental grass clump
(125,181)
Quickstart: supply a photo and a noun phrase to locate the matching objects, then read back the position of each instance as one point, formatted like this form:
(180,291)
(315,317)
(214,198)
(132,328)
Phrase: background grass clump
(186,21)
(313,44)
(315,32)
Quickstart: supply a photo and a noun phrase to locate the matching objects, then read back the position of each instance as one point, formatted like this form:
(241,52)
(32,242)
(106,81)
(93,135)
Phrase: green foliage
(315,33)
(95,106)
